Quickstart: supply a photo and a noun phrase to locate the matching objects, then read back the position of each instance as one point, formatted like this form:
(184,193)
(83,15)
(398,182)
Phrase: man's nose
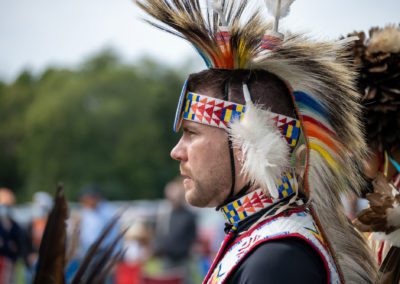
(178,152)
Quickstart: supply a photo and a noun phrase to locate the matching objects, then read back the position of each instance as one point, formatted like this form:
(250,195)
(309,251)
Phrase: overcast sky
(36,34)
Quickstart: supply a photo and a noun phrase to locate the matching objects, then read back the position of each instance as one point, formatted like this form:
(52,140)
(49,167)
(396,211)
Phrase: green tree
(106,122)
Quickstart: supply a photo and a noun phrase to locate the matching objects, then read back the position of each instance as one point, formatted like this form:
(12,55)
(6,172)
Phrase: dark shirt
(175,243)
(281,262)
(13,240)
(284,261)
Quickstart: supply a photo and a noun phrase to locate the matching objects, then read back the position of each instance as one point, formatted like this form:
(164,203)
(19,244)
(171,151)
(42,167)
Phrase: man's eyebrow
(189,128)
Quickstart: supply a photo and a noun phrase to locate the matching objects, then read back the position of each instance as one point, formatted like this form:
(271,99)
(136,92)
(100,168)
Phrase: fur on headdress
(378,61)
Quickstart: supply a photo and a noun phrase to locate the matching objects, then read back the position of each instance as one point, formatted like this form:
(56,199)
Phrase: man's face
(203,154)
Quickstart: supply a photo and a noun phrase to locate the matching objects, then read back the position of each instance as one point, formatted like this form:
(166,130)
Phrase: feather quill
(219,9)
(278,9)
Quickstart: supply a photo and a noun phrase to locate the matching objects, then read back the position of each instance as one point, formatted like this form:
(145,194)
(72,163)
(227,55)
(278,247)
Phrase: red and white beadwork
(219,113)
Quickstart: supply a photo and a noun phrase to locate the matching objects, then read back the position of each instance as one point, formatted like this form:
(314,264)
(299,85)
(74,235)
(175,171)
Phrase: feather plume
(378,62)
(52,248)
(218,7)
(278,9)
(265,151)
(186,20)
(383,215)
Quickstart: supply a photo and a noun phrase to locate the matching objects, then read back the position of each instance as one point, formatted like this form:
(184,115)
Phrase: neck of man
(240,191)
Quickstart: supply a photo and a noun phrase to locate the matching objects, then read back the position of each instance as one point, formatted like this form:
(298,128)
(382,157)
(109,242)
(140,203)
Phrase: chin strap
(232,196)
(233,168)
(231,154)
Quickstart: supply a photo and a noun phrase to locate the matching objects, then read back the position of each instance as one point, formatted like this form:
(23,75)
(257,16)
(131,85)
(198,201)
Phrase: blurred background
(87,98)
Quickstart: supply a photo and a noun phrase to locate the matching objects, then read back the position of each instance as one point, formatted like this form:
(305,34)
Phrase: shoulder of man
(282,261)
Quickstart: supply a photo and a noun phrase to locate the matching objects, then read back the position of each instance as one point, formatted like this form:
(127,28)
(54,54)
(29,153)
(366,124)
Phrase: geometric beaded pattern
(257,200)
(246,206)
(219,113)
(211,111)
(287,185)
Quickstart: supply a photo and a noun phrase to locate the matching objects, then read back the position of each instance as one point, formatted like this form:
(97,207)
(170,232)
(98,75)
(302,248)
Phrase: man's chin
(195,194)
(188,184)
(196,199)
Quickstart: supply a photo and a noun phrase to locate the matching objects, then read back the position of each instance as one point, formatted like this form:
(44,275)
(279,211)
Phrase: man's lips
(184,174)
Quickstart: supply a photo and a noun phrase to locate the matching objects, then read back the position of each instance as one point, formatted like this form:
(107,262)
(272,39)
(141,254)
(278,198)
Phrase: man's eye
(189,132)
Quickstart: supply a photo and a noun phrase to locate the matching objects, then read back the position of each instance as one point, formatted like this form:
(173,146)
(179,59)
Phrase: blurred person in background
(175,232)
(42,204)
(136,245)
(14,243)
(94,215)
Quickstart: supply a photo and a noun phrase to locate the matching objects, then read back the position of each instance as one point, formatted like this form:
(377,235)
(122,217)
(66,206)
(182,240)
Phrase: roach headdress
(232,34)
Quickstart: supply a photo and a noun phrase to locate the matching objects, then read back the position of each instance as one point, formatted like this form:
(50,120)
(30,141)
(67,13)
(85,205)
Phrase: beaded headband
(219,113)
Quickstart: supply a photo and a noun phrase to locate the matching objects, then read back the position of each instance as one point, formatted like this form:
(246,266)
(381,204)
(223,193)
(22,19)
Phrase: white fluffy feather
(392,238)
(284,10)
(393,220)
(265,151)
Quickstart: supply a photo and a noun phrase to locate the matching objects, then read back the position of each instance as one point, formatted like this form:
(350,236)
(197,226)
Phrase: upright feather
(278,9)
(52,248)
(218,7)
(52,252)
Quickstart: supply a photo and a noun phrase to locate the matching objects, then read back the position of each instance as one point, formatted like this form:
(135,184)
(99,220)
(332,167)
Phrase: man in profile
(271,137)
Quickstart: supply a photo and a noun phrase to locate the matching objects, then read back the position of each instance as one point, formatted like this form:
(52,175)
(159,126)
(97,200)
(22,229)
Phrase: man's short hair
(265,88)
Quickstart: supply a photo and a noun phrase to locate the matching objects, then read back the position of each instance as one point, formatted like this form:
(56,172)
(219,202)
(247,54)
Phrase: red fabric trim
(224,247)
(218,256)
(228,237)
(293,235)
(286,214)
(380,252)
